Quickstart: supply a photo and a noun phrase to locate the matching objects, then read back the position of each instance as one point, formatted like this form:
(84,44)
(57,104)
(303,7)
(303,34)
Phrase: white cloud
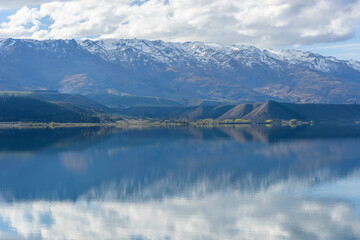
(267,23)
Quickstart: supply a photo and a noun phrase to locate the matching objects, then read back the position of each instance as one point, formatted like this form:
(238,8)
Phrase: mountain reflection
(180,183)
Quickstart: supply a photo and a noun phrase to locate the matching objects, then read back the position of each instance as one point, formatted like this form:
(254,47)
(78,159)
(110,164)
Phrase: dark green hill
(326,112)
(28,109)
(75,101)
(70,99)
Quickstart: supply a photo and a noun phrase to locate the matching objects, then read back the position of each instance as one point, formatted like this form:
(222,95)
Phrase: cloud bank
(269,23)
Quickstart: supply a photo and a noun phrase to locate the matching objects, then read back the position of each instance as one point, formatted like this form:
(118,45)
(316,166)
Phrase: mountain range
(164,71)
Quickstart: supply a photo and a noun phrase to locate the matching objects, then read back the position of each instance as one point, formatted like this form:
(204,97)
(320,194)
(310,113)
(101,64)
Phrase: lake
(237,182)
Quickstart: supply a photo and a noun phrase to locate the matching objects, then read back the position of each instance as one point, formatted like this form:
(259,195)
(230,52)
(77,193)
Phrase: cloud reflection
(267,214)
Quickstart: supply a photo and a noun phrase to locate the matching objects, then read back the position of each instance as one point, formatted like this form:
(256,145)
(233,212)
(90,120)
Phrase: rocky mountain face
(190,70)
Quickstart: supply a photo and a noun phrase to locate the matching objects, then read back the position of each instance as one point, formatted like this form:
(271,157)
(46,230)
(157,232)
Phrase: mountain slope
(306,112)
(326,112)
(74,101)
(27,109)
(239,111)
(257,112)
(190,70)
(273,110)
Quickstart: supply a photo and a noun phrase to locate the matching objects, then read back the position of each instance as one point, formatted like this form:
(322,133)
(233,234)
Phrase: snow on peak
(5,43)
(204,55)
(2,40)
(354,64)
(164,52)
(292,56)
(312,60)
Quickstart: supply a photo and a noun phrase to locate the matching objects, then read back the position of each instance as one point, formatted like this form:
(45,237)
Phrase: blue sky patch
(138,2)
(46,22)
(4,14)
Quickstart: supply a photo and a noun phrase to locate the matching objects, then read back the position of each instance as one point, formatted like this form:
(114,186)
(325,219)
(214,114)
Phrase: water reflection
(181,183)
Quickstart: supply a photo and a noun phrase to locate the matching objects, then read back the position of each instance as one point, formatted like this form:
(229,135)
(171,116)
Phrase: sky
(328,27)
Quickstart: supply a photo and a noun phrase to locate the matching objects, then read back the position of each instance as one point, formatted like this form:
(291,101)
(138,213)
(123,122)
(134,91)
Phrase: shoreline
(166,123)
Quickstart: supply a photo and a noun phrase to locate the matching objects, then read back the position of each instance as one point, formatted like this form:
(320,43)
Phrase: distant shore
(158,123)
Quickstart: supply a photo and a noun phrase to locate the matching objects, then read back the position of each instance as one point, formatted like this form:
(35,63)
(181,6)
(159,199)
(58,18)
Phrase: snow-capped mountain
(177,70)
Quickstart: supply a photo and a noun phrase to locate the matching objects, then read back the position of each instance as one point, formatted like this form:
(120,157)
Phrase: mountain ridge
(190,70)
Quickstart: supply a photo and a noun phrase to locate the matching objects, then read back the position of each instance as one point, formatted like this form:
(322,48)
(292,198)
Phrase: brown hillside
(239,111)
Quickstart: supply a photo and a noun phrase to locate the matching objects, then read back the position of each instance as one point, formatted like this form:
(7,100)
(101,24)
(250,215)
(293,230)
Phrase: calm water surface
(181,183)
